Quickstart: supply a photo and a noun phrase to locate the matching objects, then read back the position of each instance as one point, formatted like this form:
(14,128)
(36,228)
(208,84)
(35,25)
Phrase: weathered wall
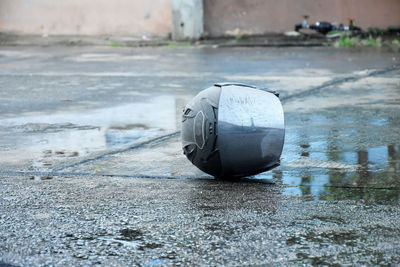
(222,17)
(90,17)
(154,18)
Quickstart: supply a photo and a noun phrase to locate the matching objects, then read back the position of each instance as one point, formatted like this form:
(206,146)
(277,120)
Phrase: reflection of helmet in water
(233,130)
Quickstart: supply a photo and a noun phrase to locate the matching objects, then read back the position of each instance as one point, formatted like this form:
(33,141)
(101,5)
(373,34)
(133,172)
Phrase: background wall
(222,17)
(154,17)
(89,17)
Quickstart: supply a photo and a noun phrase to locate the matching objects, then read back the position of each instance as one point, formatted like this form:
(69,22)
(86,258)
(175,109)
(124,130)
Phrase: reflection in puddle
(374,178)
(118,137)
(294,185)
(351,153)
(330,160)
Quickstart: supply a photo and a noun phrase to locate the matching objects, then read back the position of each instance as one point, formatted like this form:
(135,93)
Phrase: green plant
(396,42)
(375,42)
(179,44)
(346,41)
(238,37)
(115,44)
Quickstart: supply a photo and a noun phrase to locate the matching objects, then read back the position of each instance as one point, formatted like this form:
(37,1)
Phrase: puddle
(341,156)
(374,177)
(39,140)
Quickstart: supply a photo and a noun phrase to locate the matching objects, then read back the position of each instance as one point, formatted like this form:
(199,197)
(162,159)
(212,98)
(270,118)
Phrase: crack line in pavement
(120,150)
(56,173)
(338,82)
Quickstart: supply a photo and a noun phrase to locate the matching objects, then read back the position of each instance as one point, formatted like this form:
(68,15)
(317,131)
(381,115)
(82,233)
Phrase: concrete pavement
(92,171)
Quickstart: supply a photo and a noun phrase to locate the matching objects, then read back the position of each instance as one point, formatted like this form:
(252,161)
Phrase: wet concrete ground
(92,170)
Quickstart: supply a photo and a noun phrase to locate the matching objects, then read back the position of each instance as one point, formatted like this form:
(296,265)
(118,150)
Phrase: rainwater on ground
(341,141)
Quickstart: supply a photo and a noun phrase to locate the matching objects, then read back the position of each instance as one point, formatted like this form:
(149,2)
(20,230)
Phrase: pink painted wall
(222,17)
(89,17)
(154,17)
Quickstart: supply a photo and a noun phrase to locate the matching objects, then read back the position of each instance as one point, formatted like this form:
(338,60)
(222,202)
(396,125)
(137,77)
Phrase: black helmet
(233,129)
